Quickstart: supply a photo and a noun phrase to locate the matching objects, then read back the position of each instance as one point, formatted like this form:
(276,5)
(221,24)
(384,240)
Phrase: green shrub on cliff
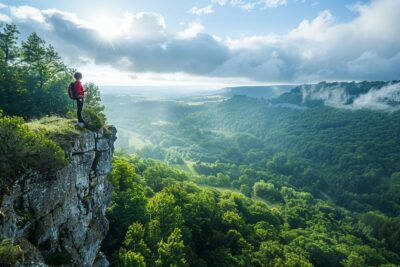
(94,121)
(22,149)
(10,254)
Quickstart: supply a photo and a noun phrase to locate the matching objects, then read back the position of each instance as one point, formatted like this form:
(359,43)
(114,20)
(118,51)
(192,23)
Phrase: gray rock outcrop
(60,217)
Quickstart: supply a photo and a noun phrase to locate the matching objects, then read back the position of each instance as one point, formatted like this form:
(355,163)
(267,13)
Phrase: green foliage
(183,224)
(172,252)
(93,99)
(8,43)
(134,239)
(128,204)
(10,254)
(128,259)
(164,215)
(354,260)
(33,77)
(93,111)
(23,149)
(266,191)
(381,227)
(93,120)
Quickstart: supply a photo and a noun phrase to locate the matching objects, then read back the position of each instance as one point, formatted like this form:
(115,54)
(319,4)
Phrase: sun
(106,28)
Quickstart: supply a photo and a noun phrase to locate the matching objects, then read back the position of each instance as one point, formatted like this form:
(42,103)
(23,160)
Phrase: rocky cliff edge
(60,218)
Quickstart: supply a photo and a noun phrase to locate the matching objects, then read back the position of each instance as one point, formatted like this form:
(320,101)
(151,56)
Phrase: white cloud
(5,18)
(143,25)
(27,13)
(316,30)
(3,5)
(253,42)
(192,30)
(251,4)
(248,6)
(52,12)
(324,49)
(220,2)
(201,10)
(272,3)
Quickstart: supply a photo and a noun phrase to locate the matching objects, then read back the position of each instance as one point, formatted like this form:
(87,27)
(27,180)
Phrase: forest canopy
(159,217)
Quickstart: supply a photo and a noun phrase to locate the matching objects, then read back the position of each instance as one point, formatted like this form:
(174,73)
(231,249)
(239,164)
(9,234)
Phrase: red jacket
(79,89)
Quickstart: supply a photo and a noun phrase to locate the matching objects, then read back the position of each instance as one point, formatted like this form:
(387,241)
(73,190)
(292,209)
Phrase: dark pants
(79,103)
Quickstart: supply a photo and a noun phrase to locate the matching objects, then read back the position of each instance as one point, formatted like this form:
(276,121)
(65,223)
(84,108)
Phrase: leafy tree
(125,258)
(134,239)
(93,102)
(353,260)
(164,216)
(245,190)
(233,220)
(266,191)
(172,252)
(10,83)
(8,43)
(43,62)
(128,203)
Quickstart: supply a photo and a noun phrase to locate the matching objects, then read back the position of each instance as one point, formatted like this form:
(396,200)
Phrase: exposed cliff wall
(61,217)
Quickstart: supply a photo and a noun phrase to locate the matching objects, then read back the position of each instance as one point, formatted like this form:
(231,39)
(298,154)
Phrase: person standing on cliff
(78,93)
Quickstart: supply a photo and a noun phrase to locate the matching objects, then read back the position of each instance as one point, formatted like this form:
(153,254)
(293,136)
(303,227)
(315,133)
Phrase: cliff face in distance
(61,217)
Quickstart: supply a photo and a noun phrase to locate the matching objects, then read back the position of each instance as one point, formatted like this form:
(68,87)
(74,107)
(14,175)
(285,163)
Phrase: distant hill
(352,95)
(255,91)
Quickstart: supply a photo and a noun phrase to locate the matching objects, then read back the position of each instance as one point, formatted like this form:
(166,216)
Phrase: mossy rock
(10,254)
(60,130)
(93,120)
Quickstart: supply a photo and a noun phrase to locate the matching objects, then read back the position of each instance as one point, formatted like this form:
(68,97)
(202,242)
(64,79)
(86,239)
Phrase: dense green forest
(160,217)
(349,155)
(345,159)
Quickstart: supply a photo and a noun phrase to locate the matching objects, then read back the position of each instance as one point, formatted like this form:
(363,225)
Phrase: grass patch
(22,149)
(187,167)
(60,130)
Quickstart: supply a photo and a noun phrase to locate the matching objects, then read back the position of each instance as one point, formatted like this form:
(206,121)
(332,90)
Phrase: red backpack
(72,91)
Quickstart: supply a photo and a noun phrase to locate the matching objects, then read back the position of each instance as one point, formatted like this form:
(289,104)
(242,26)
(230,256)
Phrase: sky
(217,42)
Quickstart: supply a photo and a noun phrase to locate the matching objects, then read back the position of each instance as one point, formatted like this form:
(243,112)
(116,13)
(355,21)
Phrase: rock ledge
(61,216)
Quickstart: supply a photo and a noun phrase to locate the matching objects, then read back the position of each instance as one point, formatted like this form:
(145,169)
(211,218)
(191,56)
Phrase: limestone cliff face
(61,217)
